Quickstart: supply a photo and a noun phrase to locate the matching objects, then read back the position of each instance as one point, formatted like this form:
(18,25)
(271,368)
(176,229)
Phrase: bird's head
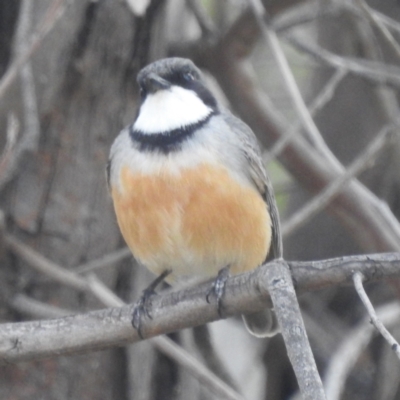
(173,96)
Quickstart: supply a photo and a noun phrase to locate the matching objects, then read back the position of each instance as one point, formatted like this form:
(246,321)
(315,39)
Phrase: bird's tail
(262,323)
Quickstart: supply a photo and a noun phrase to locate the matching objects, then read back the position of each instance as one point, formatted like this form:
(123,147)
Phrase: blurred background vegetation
(68,86)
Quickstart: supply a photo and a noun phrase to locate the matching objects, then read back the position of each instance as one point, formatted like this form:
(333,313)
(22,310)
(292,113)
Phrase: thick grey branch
(178,310)
(287,310)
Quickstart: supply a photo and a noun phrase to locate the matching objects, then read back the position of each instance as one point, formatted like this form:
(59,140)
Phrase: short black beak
(155,82)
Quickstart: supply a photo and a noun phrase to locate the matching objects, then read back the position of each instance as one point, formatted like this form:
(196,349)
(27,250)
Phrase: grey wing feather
(258,174)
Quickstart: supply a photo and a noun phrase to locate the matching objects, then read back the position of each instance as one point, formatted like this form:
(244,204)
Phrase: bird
(191,196)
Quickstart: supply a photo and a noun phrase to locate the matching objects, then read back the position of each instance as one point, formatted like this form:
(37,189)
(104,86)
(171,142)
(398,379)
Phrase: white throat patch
(170,109)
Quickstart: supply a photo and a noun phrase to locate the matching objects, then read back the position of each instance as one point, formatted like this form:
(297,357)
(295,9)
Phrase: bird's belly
(194,222)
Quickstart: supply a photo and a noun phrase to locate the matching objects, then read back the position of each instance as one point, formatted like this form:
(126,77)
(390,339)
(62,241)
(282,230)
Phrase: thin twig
(385,19)
(310,127)
(37,309)
(323,97)
(29,139)
(319,202)
(349,351)
(7,156)
(45,266)
(373,71)
(328,91)
(31,113)
(54,12)
(358,279)
(104,261)
(102,292)
(389,22)
(368,11)
(387,97)
(303,13)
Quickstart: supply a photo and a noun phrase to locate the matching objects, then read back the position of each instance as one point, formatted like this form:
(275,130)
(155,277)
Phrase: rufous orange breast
(194,222)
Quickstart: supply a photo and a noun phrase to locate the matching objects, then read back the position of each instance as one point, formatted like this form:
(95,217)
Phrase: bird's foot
(143,305)
(218,288)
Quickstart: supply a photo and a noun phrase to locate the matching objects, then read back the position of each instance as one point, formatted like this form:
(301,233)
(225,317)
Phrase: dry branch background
(68,86)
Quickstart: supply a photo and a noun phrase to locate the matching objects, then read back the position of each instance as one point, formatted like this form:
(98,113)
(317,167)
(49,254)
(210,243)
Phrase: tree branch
(53,14)
(287,310)
(373,71)
(178,310)
(358,283)
(375,20)
(324,96)
(320,201)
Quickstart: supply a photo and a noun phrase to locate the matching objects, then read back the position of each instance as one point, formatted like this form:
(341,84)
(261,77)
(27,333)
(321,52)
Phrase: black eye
(188,76)
(142,92)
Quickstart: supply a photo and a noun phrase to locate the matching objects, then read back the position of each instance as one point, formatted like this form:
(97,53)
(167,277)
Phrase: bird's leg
(218,288)
(142,306)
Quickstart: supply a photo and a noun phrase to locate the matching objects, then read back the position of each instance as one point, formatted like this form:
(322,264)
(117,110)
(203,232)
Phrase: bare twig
(29,139)
(45,266)
(373,71)
(389,22)
(358,279)
(327,92)
(31,125)
(303,13)
(368,11)
(37,309)
(105,261)
(53,14)
(7,156)
(320,201)
(386,96)
(310,127)
(317,104)
(102,292)
(350,349)
(385,19)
